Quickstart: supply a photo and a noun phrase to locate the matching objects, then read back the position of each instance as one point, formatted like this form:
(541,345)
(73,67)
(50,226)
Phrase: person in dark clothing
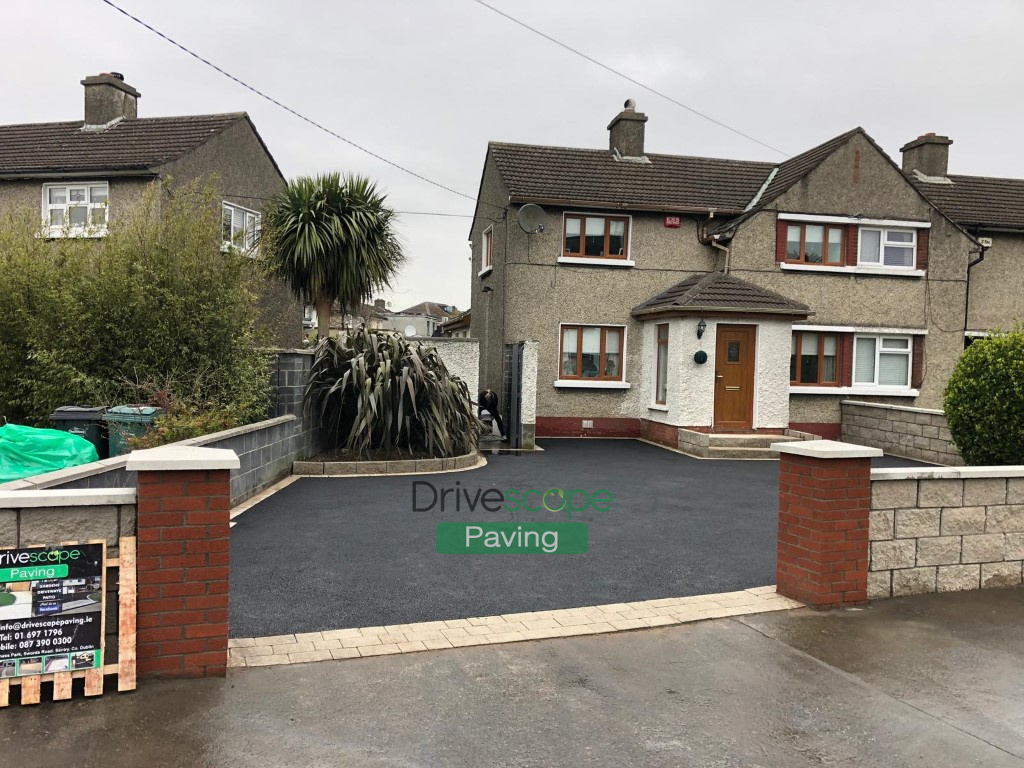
(488,401)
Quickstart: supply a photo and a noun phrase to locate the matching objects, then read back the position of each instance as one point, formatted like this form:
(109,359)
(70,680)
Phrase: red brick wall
(183,551)
(826,429)
(572,426)
(824,509)
(657,432)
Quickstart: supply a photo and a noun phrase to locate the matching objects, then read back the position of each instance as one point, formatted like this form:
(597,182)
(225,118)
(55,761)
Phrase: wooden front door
(734,377)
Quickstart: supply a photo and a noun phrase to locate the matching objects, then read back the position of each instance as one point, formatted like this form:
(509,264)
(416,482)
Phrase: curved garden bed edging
(398,467)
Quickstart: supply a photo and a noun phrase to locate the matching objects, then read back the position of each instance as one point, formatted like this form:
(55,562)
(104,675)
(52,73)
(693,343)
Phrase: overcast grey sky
(427,84)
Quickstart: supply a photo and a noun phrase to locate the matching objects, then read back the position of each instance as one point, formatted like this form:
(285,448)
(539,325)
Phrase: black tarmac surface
(328,553)
(930,681)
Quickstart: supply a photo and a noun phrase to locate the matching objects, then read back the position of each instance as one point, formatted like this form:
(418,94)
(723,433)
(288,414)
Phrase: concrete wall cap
(827,449)
(945,473)
(889,407)
(174,457)
(76,497)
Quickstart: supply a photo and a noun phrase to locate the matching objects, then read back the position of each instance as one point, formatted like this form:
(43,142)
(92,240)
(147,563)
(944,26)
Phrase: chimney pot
(378,303)
(107,98)
(927,154)
(626,131)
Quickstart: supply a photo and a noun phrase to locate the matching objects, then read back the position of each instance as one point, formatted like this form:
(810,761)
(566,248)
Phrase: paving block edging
(397,467)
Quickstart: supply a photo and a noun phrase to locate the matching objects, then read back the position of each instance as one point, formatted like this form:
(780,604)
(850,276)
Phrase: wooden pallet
(124,668)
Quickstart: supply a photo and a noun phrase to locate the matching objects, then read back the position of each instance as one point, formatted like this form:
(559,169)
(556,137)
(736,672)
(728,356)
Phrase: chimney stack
(107,98)
(928,154)
(378,303)
(626,131)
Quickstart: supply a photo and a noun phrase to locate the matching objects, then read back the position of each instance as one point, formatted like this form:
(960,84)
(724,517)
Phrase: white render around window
(78,209)
(241,227)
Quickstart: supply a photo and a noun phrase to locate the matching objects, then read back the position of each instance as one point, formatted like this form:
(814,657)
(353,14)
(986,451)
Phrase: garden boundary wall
(849,533)
(266,449)
(914,433)
(945,530)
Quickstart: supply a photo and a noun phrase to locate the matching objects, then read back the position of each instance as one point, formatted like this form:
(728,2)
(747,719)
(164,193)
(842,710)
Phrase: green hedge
(984,400)
(153,307)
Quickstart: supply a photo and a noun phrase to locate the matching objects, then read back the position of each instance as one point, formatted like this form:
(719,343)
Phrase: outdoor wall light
(488,289)
(701,327)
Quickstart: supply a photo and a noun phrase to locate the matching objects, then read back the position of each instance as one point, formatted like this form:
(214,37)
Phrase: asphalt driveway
(327,553)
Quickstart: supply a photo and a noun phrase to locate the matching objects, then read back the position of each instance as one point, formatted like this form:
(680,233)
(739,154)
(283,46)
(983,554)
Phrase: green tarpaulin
(27,451)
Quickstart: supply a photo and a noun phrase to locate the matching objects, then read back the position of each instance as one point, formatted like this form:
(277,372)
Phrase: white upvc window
(882,361)
(76,210)
(887,247)
(241,227)
(487,253)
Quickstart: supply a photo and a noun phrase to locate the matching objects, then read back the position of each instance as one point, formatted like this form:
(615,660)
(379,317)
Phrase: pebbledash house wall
(533,294)
(915,433)
(997,284)
(266,449)
(945,530)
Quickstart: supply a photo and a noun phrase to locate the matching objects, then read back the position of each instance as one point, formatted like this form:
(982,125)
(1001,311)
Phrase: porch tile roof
(720,292)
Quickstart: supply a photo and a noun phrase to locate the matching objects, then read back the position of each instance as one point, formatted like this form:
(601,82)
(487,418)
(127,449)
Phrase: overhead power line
(285,107)
(634,81)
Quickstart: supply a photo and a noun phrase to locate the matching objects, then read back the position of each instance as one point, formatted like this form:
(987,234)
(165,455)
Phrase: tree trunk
(323,317)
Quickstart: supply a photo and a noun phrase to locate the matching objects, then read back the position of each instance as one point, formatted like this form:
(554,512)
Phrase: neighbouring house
(81,175)
(374,316)
(457,326)
(670,293)
(422,319)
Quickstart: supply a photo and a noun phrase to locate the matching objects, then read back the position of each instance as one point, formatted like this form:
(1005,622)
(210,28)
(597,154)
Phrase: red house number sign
(672,221)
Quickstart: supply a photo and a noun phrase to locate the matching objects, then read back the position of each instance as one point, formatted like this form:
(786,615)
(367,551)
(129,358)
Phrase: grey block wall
(915,433)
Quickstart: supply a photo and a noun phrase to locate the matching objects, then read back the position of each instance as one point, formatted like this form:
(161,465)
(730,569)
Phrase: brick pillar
(824,511)
(184,505)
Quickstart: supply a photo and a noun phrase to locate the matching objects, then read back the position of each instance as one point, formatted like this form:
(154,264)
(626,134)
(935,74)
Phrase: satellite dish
(532,219)
(410,330)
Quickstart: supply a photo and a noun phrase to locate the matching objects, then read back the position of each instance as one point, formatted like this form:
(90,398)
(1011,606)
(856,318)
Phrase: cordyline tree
(332,239)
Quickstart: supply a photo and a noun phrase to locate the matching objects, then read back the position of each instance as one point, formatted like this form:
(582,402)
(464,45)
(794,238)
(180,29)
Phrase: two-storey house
(670,292)
(81,175)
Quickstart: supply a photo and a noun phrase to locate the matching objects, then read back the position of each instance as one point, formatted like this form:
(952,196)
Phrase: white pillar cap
(181,457)
(827,449)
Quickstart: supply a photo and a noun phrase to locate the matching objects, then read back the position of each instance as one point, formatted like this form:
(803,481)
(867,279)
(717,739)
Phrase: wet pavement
(931,681)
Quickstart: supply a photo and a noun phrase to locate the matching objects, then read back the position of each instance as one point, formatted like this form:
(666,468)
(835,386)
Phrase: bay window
(661,377)
(883,247)
(591,352)
(75,209)
(814,243)
(814,359)
(595,237)
(882,361)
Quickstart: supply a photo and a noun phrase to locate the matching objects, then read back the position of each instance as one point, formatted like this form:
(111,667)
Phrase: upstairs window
(75,210)
(814,244)
(591,352)
(240,227)
(596,237)
(487,256)
(814,359)
(883,361)
(887,247)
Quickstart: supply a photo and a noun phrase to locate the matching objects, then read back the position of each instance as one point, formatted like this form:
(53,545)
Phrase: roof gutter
(569,202)
(77,174)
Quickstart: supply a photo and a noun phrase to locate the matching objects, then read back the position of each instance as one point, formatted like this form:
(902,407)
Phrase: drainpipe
(728,251)
(967,296)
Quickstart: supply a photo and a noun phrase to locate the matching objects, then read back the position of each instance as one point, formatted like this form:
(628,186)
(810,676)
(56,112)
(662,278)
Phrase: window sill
(657,407)
(585,384)
(858,270)
(485,271)
(72,235)
(596,262)
(856,390)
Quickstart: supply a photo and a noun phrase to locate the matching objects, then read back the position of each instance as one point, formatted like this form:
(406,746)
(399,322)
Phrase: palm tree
(332,239)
